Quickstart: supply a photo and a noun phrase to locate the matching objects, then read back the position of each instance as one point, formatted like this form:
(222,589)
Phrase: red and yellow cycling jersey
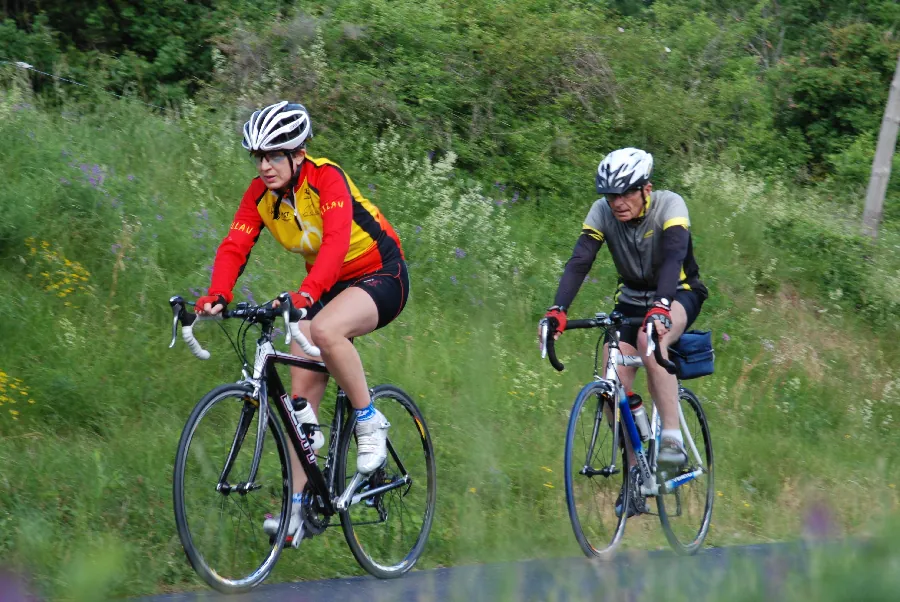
(339,232)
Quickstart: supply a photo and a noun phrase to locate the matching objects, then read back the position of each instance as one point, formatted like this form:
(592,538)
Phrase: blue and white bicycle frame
(645,456)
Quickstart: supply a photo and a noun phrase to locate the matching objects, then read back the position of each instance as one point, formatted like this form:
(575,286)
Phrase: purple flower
(418,229)
(64,181)
(453,279)
(725,337)
(430,155)
(515,197)
(203,214)
(130,177)
(64,153)
(459,253)
(208,268)
(114,249)
(94,181)
(159,218)
(594,280)
(246,292)
(587,279)
(13,588)
(515,270)
(819,522)
(196,292)
(372,187)
(115,202)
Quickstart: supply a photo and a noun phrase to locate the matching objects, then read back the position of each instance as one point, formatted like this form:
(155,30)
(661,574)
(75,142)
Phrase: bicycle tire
(682,536)
(202,535)
(596,536)
(378,550)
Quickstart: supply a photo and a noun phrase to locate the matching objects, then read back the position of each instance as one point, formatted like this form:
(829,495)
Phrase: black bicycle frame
(322,483)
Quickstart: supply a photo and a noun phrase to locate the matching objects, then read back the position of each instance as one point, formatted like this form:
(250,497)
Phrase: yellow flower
(547,469)
(548,485)
(719,493)
(472,490)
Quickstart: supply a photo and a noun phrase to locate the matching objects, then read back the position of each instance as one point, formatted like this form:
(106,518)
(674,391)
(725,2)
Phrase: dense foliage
(526,93)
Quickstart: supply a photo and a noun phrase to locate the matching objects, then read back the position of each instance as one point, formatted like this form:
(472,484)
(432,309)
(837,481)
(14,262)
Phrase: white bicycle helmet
(623,170)
(281,126)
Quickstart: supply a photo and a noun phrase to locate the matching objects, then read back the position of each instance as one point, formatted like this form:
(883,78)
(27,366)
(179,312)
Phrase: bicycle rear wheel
(592,484)
(685,513)
(218,511)
(387,532)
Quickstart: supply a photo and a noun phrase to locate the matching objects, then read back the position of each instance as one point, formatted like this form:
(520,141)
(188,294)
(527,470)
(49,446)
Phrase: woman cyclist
(356,277)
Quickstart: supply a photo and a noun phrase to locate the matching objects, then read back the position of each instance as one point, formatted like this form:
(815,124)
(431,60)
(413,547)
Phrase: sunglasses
(273,157)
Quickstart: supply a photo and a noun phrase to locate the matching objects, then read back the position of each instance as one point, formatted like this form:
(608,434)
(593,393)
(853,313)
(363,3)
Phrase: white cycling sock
(672,433)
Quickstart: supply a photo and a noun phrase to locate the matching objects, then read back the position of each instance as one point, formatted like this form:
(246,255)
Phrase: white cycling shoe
(371,440)
(271,524)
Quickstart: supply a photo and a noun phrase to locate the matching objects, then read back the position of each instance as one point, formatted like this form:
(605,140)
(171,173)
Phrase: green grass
(800,406)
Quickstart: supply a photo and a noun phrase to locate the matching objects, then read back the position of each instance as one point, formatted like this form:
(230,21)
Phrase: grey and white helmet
(623,170)
(281,126)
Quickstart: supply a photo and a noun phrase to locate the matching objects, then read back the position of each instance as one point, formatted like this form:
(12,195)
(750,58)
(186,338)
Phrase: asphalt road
(631,576)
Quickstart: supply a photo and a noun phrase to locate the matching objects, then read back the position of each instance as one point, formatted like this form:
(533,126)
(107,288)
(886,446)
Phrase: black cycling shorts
(388,287)
(691,301)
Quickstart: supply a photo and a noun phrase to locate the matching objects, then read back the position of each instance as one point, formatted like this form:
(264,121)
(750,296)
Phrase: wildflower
(515,197)
(64,181)
(246,292)
(159,218)
(719,493)
(472,490)
(114,249)
(459,253)
(372,187)
(548,485)
(453,279)
(196,292)
(725,337)
(130,177)
(545,468)
(418,229)
(621,29)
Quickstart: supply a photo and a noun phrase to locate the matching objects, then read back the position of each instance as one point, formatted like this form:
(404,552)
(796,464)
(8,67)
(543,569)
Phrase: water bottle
(640,416)
(304,414)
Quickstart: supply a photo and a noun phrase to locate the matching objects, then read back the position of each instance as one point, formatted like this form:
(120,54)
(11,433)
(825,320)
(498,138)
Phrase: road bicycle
(232,468)
(601,425)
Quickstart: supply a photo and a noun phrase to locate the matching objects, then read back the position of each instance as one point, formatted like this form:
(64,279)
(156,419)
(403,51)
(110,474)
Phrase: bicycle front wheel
(686,512)
(219,506)
(598,490)
(387,532)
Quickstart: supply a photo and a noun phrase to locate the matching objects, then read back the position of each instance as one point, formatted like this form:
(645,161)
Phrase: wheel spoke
(387,537)
(221,532)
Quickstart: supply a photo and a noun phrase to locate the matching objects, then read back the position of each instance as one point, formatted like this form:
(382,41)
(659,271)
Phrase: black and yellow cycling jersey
(653,253)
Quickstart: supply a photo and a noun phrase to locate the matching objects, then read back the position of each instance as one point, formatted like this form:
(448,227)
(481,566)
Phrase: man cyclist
(356,277)
(648,235)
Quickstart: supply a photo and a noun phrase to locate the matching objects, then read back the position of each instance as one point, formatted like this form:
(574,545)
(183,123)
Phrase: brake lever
(544,330)
(177,304)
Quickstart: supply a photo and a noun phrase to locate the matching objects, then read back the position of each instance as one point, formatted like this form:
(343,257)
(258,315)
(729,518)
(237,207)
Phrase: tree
(884,153)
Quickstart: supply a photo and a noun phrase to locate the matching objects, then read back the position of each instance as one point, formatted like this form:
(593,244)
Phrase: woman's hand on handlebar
(210,305)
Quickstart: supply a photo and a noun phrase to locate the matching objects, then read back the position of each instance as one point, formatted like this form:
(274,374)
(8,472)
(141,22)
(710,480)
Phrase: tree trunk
(884,154)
